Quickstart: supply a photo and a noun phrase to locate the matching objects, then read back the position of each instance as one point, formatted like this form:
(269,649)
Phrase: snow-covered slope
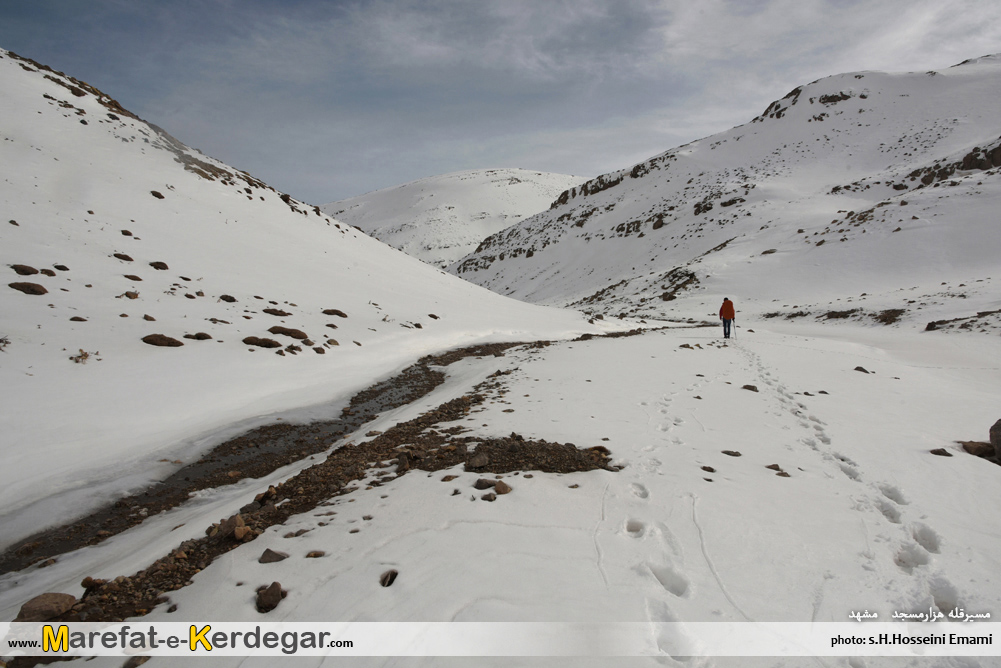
(440,219)
(128,233)
(875,183)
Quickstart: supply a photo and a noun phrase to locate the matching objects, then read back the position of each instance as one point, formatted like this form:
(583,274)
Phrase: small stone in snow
(270,556)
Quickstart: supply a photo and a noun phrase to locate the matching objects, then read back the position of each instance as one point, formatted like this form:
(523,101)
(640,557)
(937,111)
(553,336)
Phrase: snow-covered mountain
(877,189)
(113,231)
(440,219)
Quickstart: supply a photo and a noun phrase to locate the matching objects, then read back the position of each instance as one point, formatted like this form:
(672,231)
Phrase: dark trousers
(726,328)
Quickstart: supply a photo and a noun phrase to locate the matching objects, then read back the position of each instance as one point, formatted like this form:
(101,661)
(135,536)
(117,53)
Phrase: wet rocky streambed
(421,443)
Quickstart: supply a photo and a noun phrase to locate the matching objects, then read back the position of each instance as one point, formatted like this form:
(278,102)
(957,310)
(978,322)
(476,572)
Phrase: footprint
(945,595)
(635,528)
(910,557)
(849,471)
(672,639)
(890,511)
(926,537)
(671,580)
(639,490)
(893,494)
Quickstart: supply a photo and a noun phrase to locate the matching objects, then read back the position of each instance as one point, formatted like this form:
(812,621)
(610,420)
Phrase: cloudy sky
(326,99)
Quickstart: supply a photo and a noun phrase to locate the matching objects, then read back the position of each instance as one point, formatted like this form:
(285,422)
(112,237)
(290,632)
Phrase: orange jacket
(726,310)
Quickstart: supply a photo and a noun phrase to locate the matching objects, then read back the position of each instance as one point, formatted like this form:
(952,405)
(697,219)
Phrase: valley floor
(762,478)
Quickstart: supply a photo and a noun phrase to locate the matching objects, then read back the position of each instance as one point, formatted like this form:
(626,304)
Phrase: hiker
(727,315)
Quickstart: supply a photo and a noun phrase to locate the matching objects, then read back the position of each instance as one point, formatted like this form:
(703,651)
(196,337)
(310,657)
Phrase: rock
(862,369)
(708,469)
(200,336)
(251,507)
(333,311)
(774,467)
(29,288)
(228,526)
(477,460)
(149,318)
(44,607)
(686,345)
(319,351)
(159,266)
(287,331)
(315,554)
(484,483)
(995,435)
(156,194)
(161,340)
(124,257)
(263,343)
(60,267)
(783,474)
(23,269)
(131,295)
(388,578)
(978,448)
(77,318)
(449,478)
(502,487)
(731,453)
(489,497)
(243,533)
(268,598)
(270,556)
(752,388)
(227,298)
(941,452)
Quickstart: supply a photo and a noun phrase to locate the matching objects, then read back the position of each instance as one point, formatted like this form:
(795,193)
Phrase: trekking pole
(734,329)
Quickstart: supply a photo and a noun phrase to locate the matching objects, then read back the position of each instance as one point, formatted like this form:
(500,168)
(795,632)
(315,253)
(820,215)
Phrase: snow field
(856,525)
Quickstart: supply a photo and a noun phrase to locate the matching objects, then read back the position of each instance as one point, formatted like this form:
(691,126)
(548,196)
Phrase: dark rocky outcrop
(29,288)
(261,342)
(162,340)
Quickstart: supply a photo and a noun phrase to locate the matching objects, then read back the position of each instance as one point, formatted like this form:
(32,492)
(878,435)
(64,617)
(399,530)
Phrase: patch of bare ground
(253,454)
(421,443)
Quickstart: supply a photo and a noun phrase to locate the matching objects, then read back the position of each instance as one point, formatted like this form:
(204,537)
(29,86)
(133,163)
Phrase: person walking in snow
(727,315)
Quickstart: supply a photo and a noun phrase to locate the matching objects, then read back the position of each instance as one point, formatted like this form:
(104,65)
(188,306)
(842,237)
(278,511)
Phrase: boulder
(28,288)
(269,597)
(995,434)
(44,607)
(477,460)
(161,340)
